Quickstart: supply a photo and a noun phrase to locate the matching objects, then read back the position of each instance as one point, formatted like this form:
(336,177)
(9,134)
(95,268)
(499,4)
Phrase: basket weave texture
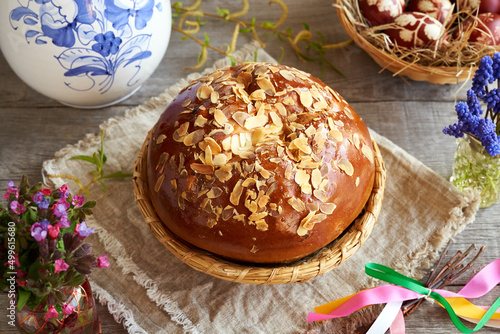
(414,71)
(320,262)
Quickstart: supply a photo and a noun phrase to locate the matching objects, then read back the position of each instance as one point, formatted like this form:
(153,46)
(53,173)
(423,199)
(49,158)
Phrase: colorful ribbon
(405,288)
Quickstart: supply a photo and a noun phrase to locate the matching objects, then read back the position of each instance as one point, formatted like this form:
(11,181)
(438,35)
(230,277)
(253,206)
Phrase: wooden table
(33,127)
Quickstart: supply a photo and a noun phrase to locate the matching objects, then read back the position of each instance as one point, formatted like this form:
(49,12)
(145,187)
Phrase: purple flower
(483,76)
(78,201)
(39,230)
(61,265)
(64,192)
(64,222)
(84,231)
(40,199)
(67,308)
(11,189)
(17,207)
(60,208)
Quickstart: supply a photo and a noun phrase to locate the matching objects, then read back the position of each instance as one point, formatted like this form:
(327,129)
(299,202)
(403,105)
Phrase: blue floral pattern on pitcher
(95,44)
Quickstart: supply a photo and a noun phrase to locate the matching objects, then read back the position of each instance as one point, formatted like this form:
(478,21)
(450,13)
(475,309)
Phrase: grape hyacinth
(471,120)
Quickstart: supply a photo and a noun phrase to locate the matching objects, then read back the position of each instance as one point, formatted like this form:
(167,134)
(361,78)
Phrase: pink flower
(67,308)
(12,189)
(61,265)
(21,283)
(64,191)
(51,313)
(102,261)
(63,222)
(17,207)
(78,201)
(60,208)
(53,231)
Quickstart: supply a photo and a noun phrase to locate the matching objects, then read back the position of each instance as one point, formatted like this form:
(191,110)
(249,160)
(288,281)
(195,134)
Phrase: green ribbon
(389,275)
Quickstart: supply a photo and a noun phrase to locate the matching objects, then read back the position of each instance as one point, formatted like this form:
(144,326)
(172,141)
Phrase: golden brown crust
(259,163)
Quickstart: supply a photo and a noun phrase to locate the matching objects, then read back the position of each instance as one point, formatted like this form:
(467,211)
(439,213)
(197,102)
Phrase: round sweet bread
(259,163)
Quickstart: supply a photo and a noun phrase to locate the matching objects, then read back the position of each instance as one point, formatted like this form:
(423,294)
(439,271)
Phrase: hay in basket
(451,61)
(320,262)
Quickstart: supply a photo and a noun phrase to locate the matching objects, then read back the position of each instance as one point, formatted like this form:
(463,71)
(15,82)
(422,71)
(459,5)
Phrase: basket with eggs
(438,41)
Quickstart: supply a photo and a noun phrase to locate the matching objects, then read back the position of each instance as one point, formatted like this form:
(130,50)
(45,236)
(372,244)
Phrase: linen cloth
(150,291)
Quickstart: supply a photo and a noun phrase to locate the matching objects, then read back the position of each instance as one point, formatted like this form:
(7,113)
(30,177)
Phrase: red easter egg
(485,6)
(486,32)
(415,30)
(378,12)
(438,9)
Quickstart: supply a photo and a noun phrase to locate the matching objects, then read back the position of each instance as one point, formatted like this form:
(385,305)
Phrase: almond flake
(227,212)
(261,225)
(174,184)
(214,96)
(312,206)
(321,104)
(276,119)
(367,152)
(194,137)
(356,141)
(244,78)
(281,109)
(240,117)
(301,177)
(211,222)
(301,144)
(159,182)
(234,198)
(348,112)
(287,75)
(271,188)
(265,173)
(267,86)
(200,121)
(249,182)
(226,143)
(316,178)
(306,188)
(319,194)
(202,169)
(256,122)
(220,118)
(357,181)
(262,201)
(257,215)
(258,95)
(346,166)
(325,169)
(336,135)
(182,130)
(288,101)
(325,185)
(160,139)
(162,161)
(254,249)
(203,92)
(214,192)
(305,226)
(186,103)
(219,160)
(296,204)
(306,98)
(223,175)
(327,208)
(311,130)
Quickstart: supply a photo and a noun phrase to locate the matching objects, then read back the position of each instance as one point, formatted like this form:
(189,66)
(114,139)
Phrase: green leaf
(268,24)
(207,40)
(117,174)
(22,298)
(89,204)
(84,158)
(306,26)
(245,30)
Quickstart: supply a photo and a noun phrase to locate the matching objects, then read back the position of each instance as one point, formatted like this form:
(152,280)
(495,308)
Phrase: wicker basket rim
(320,262)
(398,66)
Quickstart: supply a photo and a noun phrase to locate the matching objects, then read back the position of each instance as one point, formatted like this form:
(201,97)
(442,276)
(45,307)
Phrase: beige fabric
(151,291)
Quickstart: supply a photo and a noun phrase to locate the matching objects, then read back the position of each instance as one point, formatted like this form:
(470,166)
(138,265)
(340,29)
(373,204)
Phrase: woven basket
(414,71)
(320,262)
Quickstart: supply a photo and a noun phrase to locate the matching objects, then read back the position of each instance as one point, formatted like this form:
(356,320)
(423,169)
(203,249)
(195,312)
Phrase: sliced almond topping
(245,78)
(202,169)
(301,177)
(216,149)
(265,173)
(346,166)
(327,208)
(357,181)
(281,109)
(249,182)
(368,153)
(240,217)
(186,103)
(316,178)
(348,112)
(262,201)
(320,194)
(160,139)
(226,143)
(234,198)
(211,222)
(182,130)
(325,185)
(203,92)
(254,249)
(276,119)
(325,169)
(288,172)
(208,156)
(162,161)
(296,204)
(214,192)
(256,122)
(321,104)
(194,137)
(271,188)
(220,118)
(240,117)
(336,135)
(306,98)
(219,160)
(312,206)
(200,121)
(159,182)
(301,144)
(306,188)
(251,205)
(223,175)
(304,226)
(356,141)
(319,142)
(267,86)
(311,130)
(174,184)
(261,225)
(257,215)
(258,95)
(288,101)
(214,96)
(227,212)
(287,75)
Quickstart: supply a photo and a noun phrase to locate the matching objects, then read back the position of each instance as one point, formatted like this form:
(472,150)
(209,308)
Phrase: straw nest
(449,62)
(316,264)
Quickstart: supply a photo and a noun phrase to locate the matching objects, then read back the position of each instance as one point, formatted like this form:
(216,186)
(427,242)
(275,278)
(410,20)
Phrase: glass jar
(475,169)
